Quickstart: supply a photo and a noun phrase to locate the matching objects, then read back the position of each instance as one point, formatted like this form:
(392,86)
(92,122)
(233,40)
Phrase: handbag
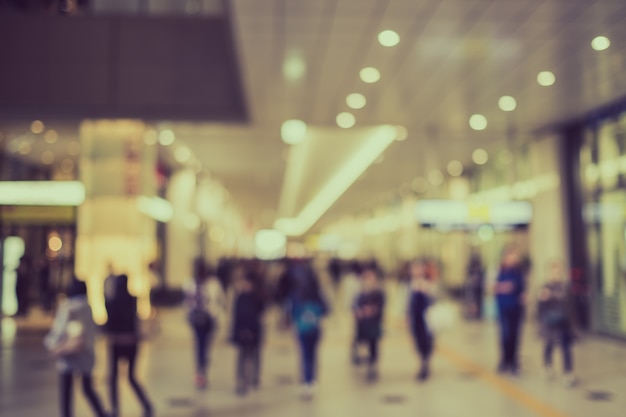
(72,341)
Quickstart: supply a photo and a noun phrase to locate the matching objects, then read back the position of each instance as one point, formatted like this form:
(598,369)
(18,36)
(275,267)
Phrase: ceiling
(455,58)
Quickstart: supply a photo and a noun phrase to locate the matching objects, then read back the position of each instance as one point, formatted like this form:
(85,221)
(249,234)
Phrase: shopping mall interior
(167,140)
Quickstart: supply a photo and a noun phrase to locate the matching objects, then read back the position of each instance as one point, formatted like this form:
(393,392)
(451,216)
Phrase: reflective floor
(463,382)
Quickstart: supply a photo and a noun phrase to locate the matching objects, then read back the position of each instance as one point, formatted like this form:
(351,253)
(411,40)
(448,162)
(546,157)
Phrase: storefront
(598,168)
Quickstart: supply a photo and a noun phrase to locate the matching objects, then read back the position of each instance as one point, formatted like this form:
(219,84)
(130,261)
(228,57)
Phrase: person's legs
(255,358)
(202,340)
(131,354)
(566,346)
(424,343)
(65,391)
(308,344)
(373,350)
(516,327)
(91,396)
(241,369)
(113,383)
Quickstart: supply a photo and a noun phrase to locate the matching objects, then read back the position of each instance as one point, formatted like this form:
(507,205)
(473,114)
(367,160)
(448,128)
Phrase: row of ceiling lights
(544,79)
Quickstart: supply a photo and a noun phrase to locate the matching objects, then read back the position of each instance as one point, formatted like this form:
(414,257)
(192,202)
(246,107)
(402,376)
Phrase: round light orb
(480,156)
(507,103)
(478,122)
(600,43)
(293,131)
(388,38)
(546,78)
(369,75)
(356,101)
(345,120)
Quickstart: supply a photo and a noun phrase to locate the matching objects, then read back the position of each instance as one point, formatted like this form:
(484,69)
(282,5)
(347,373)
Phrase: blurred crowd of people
(239,292)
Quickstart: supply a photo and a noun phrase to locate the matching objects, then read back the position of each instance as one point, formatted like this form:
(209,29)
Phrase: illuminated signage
(41,193)
(461,214)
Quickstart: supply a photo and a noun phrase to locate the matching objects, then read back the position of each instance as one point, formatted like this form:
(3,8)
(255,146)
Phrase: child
(247,333)
(368,310)
(556,326)
(71,341)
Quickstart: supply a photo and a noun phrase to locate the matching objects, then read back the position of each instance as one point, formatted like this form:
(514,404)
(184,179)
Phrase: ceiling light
(47,157)
(455,168)
(350,171)
(356,101)
(403,133)
(166,137)
(507,103)
(345,120)
(388,38)
(270,244)
(37,126)
(546,78)
(182,154)
(369,75)
(600,43)
(478,122)
(293,131)
(480,156)
(294,68)
(435,178)
(51,136)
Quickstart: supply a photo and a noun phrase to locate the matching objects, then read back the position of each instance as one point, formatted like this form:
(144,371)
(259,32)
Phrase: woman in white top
(205,302)
(71,341)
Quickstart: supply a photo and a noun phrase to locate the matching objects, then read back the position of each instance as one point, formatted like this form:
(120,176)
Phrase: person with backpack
(247,331)
(122,328)
(368,310)
(556,323)
(308,308)
(71,340)
(205,302)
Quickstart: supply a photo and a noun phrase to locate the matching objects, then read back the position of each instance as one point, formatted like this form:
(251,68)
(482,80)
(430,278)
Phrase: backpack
(308,315)
(199,317)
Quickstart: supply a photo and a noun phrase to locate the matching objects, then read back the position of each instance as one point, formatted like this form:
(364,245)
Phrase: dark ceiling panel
(155,68)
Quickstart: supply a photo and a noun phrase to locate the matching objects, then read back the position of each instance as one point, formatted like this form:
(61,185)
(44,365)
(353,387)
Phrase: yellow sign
(37,214)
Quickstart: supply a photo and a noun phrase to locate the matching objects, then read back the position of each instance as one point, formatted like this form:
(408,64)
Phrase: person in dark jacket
(368,310)
(510,292)
(123,332)
(422,289)
(247,332)
(556,322)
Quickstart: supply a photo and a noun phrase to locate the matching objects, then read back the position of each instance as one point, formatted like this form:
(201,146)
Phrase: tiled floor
(463,383)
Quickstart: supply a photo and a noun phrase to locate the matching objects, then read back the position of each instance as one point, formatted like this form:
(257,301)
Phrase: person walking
(71,340)
(308,309)
(422,289)
(205,303)
(122,329)
(368,310)
(510,293)
(247,332)
(556,323)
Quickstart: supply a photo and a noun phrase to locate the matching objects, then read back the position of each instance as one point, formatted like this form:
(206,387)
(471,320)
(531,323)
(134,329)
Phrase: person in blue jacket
(510,295)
